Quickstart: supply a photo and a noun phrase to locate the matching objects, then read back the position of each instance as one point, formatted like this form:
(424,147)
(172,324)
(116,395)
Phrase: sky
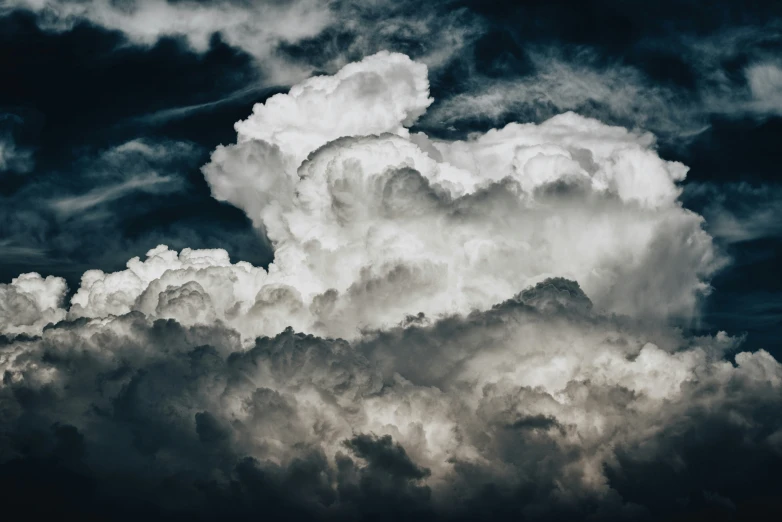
(366,260)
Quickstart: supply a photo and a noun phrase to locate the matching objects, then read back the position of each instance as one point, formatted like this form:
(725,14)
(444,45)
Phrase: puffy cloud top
(386,92)
(30,302)
(361,212)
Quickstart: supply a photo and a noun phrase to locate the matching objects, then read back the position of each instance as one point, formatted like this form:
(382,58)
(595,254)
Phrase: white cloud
(30,302)
(371,224)
(99,196)
(457,225)
(737,212)
(134,166)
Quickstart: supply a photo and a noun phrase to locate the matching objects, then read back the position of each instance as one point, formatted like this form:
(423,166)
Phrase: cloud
(14,159)
(288,39)
(93,198)
(120,171)
(540,403)
(257,27)
(30,302)
(450,329)
(371,223)
(457,224)
(104,177)
(672,85)
(765,84)
(110,204)
(617,93)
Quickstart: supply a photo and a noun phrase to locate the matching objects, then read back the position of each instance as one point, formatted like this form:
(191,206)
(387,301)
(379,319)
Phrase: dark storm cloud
(133,417)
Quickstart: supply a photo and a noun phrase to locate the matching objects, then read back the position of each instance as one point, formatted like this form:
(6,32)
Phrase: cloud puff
(371,223)
(458,225)
(30,302)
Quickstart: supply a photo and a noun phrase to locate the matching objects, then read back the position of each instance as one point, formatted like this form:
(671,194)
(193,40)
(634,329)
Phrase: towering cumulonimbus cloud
(457,225)
(454,329)
(371,223)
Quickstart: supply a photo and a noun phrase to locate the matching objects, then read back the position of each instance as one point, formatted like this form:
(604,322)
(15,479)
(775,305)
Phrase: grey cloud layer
(540,397)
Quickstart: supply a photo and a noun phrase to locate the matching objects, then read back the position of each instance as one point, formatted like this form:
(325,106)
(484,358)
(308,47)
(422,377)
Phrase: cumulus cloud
(456,329)
(459,225)
(30,302)
(371,223)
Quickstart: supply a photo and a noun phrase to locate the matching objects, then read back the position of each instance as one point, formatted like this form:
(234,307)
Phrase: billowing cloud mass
(454,329)
(459,225)
(30,302)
